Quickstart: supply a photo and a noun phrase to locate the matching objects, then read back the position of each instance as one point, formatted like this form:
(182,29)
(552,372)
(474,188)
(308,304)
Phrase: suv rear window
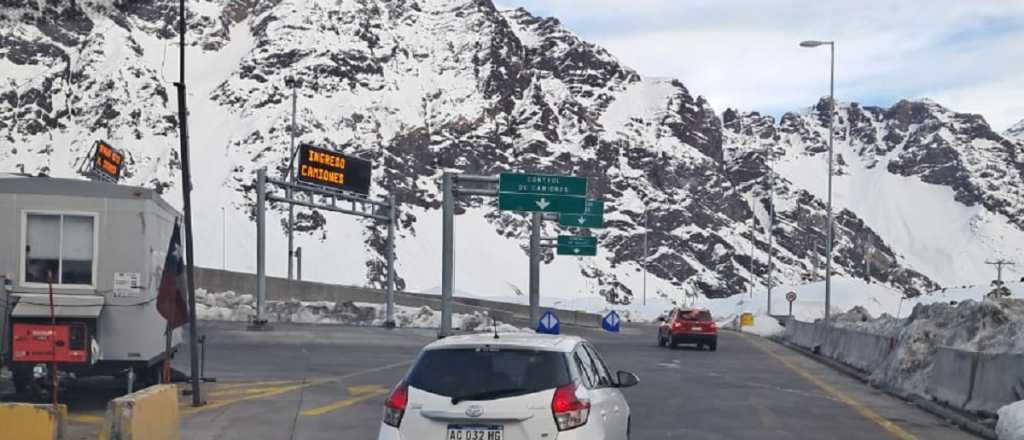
(485,373)
(695,315)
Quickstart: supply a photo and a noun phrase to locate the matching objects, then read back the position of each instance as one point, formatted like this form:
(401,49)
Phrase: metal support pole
(447,251)
(535,268)
(223,239)
(831,135)
(261,244)
(186,189)
(771,230)
(753,227)
(645,257)
(298,263)
(389,317)
(290,178)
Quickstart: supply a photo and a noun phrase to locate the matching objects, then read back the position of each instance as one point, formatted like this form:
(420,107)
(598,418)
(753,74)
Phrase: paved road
(324,382)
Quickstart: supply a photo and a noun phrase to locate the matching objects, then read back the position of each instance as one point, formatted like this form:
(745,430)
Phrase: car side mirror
(627,379)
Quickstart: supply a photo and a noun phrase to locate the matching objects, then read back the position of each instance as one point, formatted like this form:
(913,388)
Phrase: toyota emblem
(475,411)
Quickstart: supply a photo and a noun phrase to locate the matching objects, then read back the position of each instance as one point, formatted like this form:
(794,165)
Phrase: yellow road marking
(889,426)
(358,393)
(91,420)
(236,385)
(278,390)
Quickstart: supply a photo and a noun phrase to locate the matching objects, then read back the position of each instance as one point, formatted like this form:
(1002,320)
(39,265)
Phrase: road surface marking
(90,420)
(278,390)
(358,393)
(860,408)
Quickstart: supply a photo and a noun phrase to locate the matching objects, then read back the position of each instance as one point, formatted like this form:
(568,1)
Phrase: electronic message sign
(107,162)
(334,170)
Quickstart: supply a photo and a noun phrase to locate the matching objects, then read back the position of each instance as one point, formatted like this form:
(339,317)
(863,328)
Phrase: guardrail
(976,382)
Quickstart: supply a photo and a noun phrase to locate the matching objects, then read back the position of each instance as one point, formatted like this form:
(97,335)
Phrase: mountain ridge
(424,86)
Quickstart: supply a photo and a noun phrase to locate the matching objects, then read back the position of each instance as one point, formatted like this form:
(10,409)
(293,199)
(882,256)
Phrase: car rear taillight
(394,407)
(676,325)
(569,411)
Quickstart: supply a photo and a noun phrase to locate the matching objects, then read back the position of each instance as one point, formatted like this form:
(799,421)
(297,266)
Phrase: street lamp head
(813,43)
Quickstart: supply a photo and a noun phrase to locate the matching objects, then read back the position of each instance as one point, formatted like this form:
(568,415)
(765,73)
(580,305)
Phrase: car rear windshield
(486,373)
(695,315)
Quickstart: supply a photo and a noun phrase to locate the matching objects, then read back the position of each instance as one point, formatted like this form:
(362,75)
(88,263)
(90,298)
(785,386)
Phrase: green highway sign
(577,245)
(579,252)
(581,220)
(540,203)
(577,241)
(592,216)
(522,183)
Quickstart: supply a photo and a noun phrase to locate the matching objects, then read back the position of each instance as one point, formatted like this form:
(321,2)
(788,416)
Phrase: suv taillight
(394,407)
(569,411)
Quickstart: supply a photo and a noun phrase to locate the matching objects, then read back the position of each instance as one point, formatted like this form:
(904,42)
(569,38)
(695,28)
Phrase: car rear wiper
(490,394)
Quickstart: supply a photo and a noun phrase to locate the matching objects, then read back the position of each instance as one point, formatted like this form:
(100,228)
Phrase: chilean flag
(170,300)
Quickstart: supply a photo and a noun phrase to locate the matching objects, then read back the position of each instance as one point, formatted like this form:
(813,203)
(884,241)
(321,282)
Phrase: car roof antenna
(494,324)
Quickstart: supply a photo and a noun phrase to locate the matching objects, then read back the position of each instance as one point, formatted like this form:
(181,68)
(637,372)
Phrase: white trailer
(103,247)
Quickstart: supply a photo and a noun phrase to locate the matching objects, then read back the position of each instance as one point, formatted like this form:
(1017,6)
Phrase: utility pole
(290,178)
(186,189)
(999,268)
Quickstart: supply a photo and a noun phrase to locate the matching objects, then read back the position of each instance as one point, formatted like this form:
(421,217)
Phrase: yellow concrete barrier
(747,319)
(150,414)
(23,421)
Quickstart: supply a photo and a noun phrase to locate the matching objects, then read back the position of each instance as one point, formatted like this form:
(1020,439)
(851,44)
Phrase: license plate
(697,329)
(475,432)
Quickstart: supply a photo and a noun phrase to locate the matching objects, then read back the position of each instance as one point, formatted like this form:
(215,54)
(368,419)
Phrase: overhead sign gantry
(550,197)
(327,180)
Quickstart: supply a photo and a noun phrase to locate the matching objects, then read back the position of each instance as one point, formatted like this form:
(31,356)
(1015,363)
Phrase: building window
(60,246)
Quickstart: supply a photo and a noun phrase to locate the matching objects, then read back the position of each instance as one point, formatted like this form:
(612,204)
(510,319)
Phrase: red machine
(62,343)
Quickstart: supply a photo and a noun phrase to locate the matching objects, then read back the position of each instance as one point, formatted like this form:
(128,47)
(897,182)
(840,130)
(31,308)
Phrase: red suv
(688,326)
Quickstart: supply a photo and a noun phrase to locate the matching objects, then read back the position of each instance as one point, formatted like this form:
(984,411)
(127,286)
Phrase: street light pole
(645,254)
(290,179)
(831,149)
(771,226)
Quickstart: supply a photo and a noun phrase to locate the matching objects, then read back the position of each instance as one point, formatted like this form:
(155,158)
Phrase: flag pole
(186,189)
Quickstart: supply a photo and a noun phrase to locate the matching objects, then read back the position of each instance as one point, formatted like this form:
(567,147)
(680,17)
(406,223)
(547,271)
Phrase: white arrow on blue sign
(549,324)
(611,322)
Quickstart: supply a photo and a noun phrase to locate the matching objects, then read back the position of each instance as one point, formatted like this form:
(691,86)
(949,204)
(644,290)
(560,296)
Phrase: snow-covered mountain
(1016,132)
(941,188)
(423,86)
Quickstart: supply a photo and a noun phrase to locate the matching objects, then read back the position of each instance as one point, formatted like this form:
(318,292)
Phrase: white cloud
(745,54)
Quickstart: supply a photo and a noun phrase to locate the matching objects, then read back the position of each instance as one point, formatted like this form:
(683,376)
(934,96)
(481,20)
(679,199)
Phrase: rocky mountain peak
(1016,131)
(421,86)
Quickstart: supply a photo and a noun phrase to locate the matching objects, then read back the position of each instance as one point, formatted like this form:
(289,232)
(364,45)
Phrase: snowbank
(230,306)
(1011,422)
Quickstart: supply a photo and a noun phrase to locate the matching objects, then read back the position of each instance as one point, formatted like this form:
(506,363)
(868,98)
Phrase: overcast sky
(966,54)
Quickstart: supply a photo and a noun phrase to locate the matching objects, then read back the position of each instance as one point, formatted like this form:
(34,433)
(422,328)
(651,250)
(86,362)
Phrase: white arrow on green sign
(592,217)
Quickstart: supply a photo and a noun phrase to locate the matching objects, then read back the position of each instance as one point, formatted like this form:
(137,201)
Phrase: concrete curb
(25,421)
(150,414)
(962,421)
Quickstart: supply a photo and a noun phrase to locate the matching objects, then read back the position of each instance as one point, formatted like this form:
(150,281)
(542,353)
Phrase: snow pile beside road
(990,326)
(230,306)
(1011,422)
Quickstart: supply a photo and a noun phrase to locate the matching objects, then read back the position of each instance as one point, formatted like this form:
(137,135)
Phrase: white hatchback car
(514,387)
